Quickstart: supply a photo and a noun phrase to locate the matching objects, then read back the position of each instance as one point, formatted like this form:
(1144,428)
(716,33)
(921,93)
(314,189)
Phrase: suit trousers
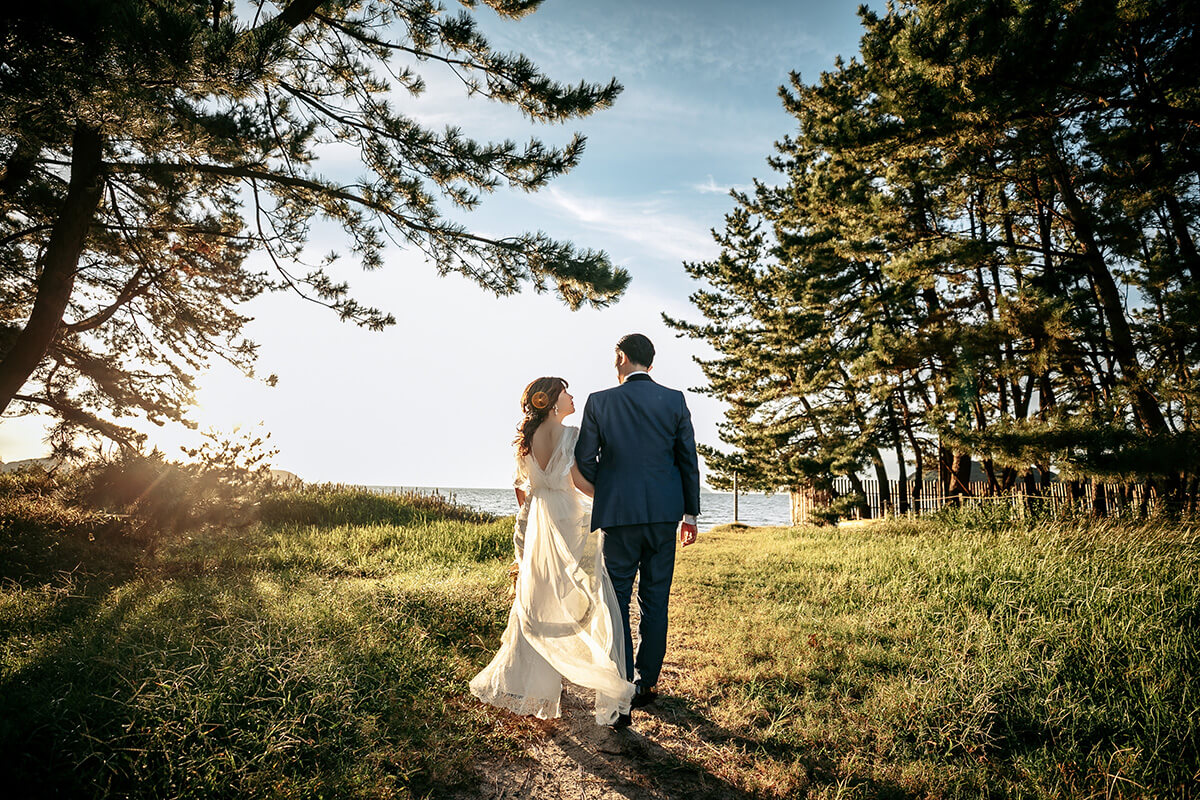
(649,550)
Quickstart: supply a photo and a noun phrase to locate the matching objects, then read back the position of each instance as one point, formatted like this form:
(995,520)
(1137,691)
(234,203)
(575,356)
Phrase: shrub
(39,530)
(337,504)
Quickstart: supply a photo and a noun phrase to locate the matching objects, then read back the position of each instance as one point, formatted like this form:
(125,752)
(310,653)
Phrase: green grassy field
(949,659)
(288,660)
(931,659)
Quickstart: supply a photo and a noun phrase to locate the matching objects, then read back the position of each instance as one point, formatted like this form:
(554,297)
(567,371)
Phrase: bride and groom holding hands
(634,455)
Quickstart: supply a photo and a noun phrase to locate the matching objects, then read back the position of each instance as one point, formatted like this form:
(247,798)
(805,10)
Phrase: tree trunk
(960,474)
(1031,489)
(1183,237)
(918,456)
(902,486)
(857,488)
(58,265)
(881,477)
(1099,498)
(1044,477)
(1109,297)
(944,457)
(993,483)
(918,484)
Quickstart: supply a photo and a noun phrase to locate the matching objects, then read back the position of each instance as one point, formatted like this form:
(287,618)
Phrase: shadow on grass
(819,769)
(135,681)
(687,756)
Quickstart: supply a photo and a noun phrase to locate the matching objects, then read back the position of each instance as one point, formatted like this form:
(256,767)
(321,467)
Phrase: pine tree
(148,148)
(982,248)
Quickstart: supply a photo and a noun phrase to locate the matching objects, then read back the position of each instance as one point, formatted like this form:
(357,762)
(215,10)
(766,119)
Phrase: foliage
(335,504)
(132,191)
(982,244)
(222,484)
(39,529)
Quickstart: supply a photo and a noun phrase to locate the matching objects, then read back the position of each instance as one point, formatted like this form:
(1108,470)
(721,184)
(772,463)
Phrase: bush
(337,504)
(841,508)
(136,501)
(162,497)
(39,530)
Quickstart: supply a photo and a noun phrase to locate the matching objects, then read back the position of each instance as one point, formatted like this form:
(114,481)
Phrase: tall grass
(336,504)
(39,532)
(283,660)
(955,657)
(325,651)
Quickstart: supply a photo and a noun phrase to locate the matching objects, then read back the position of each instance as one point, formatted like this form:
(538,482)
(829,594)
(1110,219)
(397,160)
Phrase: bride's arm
(582,483)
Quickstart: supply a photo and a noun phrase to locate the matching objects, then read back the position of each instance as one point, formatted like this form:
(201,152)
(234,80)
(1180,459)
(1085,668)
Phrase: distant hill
(282,476)
(45,463)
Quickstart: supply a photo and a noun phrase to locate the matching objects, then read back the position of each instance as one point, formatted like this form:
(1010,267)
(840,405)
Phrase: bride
(564,621)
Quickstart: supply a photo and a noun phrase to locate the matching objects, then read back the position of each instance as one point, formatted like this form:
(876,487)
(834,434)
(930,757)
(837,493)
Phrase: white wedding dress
(564,622)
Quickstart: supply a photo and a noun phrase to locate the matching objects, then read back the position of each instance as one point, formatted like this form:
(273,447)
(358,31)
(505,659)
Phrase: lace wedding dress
(564,622)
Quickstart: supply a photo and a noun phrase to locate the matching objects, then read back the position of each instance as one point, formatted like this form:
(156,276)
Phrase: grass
(325,653)
(289,660)
(945,659)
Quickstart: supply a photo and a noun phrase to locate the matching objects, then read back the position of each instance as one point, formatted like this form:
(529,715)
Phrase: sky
(434,400)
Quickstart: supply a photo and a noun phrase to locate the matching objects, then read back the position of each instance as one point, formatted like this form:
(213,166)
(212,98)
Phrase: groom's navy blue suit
(636,444)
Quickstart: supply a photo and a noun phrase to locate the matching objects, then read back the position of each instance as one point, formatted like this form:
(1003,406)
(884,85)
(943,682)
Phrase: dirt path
(573,757)
(671,751)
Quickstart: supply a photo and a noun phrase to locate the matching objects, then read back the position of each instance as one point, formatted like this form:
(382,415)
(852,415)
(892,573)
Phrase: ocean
(716,507)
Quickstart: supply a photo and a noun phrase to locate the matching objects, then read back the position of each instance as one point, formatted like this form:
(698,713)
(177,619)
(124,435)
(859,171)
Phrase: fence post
(735,497)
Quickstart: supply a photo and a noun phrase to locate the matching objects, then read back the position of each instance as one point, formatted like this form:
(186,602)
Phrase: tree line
(978,247)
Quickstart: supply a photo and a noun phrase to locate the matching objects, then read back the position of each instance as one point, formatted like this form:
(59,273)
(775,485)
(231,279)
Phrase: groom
(637,446)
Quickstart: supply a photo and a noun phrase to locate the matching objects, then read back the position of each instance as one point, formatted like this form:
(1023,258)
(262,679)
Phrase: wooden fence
(1098,498)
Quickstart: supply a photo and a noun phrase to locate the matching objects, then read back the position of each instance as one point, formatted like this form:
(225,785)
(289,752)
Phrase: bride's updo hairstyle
(537,401)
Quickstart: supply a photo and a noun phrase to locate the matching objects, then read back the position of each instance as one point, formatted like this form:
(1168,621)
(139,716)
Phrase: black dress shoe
(622,721)
(643,696)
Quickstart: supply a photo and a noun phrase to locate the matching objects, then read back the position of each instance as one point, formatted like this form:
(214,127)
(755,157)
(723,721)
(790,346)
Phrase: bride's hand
(582,483)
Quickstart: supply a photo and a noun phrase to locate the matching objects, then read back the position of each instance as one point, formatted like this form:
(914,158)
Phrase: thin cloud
(665,40)
(712,187)
(645,223)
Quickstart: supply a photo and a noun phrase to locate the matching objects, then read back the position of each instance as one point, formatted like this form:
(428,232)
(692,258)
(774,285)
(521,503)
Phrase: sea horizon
(716,508)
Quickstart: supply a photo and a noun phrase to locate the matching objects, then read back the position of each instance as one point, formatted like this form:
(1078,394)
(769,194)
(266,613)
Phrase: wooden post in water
(735,497)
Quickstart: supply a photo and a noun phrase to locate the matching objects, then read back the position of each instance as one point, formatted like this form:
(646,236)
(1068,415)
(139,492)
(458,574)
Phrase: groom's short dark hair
(637,348)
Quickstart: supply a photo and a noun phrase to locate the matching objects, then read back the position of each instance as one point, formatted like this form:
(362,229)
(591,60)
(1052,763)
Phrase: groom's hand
(687,533)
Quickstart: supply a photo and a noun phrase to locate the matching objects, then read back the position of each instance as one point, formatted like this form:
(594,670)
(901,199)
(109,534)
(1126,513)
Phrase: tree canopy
(147,148)
(980,245)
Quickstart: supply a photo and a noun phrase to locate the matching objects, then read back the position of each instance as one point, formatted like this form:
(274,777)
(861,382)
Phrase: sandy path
(666,753)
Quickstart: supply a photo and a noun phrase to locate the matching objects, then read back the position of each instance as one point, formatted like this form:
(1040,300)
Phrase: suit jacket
(636,444)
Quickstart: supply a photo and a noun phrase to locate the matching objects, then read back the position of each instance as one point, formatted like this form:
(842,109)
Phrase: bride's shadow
(673,750)
(633,763)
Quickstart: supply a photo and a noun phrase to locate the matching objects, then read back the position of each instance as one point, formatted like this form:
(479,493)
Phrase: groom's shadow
(689,716)
(632,764)
(669,752)
(820,770)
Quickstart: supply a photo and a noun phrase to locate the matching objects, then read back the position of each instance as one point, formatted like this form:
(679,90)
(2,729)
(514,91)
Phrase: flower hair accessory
(539,400)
